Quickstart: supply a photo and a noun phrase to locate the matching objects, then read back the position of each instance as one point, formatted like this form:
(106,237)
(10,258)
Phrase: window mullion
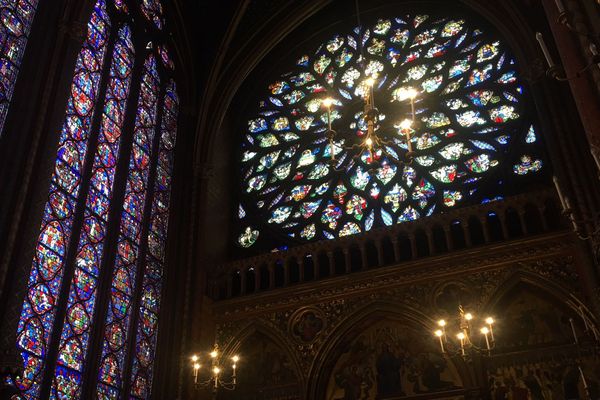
(71,254)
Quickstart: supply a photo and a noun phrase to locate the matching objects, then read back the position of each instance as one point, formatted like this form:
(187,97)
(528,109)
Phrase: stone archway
(545,340)
(383,351)
(268,369)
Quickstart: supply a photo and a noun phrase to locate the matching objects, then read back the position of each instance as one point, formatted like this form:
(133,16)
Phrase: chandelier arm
(227,385)
(354,146)
(333,164)
(206,383)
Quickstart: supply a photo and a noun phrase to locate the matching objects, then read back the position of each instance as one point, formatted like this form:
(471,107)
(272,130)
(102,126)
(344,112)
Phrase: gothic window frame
(249,220)
(155,150)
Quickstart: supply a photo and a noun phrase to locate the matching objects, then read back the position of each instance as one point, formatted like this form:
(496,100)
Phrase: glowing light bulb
(370,81)
(442,323)
(438,333)
(235,359)
(369,142)
(194,358)
(406,93)
(216,370)
(406,124)
(197,366)
(214,354)
(468,316)
(461,336)
(327,102)
(489,320)
(485,330)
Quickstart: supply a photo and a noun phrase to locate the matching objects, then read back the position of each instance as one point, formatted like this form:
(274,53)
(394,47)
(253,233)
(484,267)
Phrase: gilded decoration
(311,331)
(390,358)
(306,325)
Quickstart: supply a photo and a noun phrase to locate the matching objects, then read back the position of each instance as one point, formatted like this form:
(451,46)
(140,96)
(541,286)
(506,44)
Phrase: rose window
(469,111)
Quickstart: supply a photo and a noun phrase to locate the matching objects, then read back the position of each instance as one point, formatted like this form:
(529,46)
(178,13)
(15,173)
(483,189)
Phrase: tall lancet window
(96,276)
(16,18)
(470,132)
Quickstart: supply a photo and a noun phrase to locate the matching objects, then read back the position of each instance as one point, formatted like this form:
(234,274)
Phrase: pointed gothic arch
(378,312)
(265,355)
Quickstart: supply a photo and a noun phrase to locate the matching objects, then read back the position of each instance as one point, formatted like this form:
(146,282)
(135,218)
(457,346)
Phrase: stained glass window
(83,294)
(146,333)
(123,282)
(16,18)
(470,117)
(152,9)
(104,249)
(39,308)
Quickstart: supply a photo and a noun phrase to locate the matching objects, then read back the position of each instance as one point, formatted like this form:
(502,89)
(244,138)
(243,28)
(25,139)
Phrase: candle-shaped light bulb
(540,39)
(563,201)
(235,359)
(468,316)
(216,372)
(490,321)
(194,358)
(369,142)
(442,323)
(461,336)
(327,103)
(214,354)
(596,152)
(583,381)
(405,93)
(196,369)
(406,124)
(370,82)
(485,332)
(573,330)
(439,334)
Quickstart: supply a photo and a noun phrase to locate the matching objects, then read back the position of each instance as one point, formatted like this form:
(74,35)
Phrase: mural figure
(307,326)
(432,368)
(534,322)
(388,360)
(354,375)
(388,372)
(556,379)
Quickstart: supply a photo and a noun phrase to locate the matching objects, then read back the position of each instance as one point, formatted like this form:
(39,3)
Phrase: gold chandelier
(464,335)
(215,378)
(371,115)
